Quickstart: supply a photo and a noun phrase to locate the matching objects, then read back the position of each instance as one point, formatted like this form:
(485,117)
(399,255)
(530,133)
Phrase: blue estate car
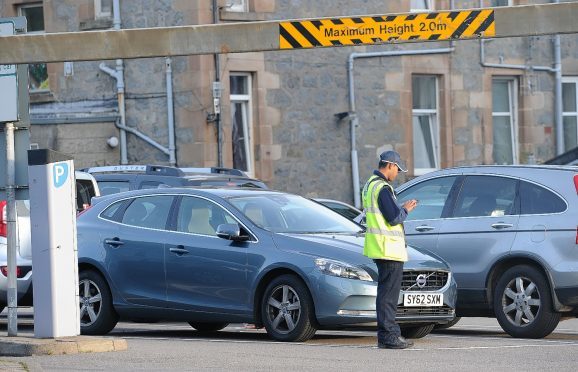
(211,257)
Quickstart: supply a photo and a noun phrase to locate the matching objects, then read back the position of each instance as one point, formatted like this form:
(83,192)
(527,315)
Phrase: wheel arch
(510,261)
(262,286)
(88,265)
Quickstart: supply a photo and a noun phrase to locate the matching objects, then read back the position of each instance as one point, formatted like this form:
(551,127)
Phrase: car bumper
(23,285)
(341,301)
(23,290)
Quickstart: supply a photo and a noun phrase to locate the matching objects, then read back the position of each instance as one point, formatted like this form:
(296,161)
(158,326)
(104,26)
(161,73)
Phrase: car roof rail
(218,170)
(160,170)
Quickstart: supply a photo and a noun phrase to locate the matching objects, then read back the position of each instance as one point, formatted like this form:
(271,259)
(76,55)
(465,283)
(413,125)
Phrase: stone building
(284,114)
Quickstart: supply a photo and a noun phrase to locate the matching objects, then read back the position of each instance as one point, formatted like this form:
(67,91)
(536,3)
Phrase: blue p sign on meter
(59,174)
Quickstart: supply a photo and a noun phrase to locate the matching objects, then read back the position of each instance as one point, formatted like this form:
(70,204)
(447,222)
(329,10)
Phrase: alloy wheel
(283,309)
(521,301)
(90,298)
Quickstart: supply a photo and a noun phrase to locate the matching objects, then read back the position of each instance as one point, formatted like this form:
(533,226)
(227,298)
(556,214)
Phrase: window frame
(429,7)
(246,100)
(510,3)
(98,13)
(570,80)
(239,6)
(513,106)
(434,127)
(21,13)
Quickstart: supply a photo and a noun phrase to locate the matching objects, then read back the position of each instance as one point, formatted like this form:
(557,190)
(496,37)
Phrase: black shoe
(396,343)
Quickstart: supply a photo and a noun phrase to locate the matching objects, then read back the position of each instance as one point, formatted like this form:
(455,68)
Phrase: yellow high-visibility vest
(382,240)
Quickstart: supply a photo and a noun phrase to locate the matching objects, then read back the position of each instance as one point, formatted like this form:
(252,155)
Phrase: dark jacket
(388,206)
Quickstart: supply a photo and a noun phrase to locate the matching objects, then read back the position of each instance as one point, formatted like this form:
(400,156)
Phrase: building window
(37,72)
(241,119)
(102,8)
(505,120)
(570,112)
(237,6)
(421,5)
(496,3)
(425,121)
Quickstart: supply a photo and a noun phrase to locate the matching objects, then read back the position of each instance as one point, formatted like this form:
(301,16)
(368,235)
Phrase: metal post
(170,111)
(218,121)
(11,230)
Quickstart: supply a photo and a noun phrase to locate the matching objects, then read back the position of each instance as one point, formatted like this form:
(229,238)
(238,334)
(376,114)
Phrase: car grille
(434,280)
(424,311)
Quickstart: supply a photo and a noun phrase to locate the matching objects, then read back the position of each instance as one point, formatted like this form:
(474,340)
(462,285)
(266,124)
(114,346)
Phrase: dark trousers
(388,288)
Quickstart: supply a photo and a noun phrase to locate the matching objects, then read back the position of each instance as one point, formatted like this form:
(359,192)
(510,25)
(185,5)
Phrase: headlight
(341,269)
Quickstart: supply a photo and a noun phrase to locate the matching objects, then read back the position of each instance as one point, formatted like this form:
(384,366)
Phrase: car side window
(112,187)
(150,185)
(431,195)
(201,216)
(489,196)
(110,211)
(148,211)
(84,192)
(342,210)
(535,199)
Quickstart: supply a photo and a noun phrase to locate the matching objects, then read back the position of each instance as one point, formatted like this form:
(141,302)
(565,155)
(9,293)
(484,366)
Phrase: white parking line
(494,347)
(538,340)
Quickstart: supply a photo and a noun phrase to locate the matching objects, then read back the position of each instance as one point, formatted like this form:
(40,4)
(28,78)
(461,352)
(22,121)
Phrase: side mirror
(231,231)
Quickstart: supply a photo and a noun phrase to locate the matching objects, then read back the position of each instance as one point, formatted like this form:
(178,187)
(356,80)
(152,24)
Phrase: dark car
(346,210)
(510,234)
(215,256)
(120,178)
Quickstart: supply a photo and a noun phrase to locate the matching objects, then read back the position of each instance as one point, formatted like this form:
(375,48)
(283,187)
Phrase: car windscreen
(284,213)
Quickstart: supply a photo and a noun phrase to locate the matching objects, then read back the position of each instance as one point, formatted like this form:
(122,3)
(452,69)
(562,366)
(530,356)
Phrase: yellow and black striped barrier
(499,22)
(383,29)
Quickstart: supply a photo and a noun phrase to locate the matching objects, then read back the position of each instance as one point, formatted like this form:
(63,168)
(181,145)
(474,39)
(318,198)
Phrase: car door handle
(502,225)
(424,228)
(114,242)
(179,250)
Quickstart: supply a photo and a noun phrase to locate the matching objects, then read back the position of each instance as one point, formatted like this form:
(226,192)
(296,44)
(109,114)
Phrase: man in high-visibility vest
(385,244)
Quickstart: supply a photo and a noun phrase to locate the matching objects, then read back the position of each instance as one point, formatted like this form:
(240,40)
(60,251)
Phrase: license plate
(423,299)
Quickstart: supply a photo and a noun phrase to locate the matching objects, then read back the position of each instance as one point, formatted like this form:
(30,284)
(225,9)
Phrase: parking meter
(54,252)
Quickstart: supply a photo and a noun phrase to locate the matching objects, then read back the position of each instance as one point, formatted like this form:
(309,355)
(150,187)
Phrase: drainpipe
(11,237)
(558,94)
(170,111)
(118,75)
(557,70)
(353,119)
(217,59)
(143,136)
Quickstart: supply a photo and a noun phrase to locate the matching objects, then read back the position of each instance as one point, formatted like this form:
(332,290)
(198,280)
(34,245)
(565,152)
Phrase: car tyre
(523,303)
(208,327)
(448,324)
(287,310)
(418,331)
(97,315)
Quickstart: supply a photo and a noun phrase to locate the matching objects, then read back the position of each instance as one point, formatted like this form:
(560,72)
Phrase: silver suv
(510,234)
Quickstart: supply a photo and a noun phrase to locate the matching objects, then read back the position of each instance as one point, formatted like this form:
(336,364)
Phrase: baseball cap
(394,158)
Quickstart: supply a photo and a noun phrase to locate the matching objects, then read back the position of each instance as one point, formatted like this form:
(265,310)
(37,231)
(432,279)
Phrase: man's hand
(410,205)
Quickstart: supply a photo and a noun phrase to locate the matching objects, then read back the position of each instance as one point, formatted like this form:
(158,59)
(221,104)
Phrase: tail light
(3,218)
(576,186)
(4,270)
